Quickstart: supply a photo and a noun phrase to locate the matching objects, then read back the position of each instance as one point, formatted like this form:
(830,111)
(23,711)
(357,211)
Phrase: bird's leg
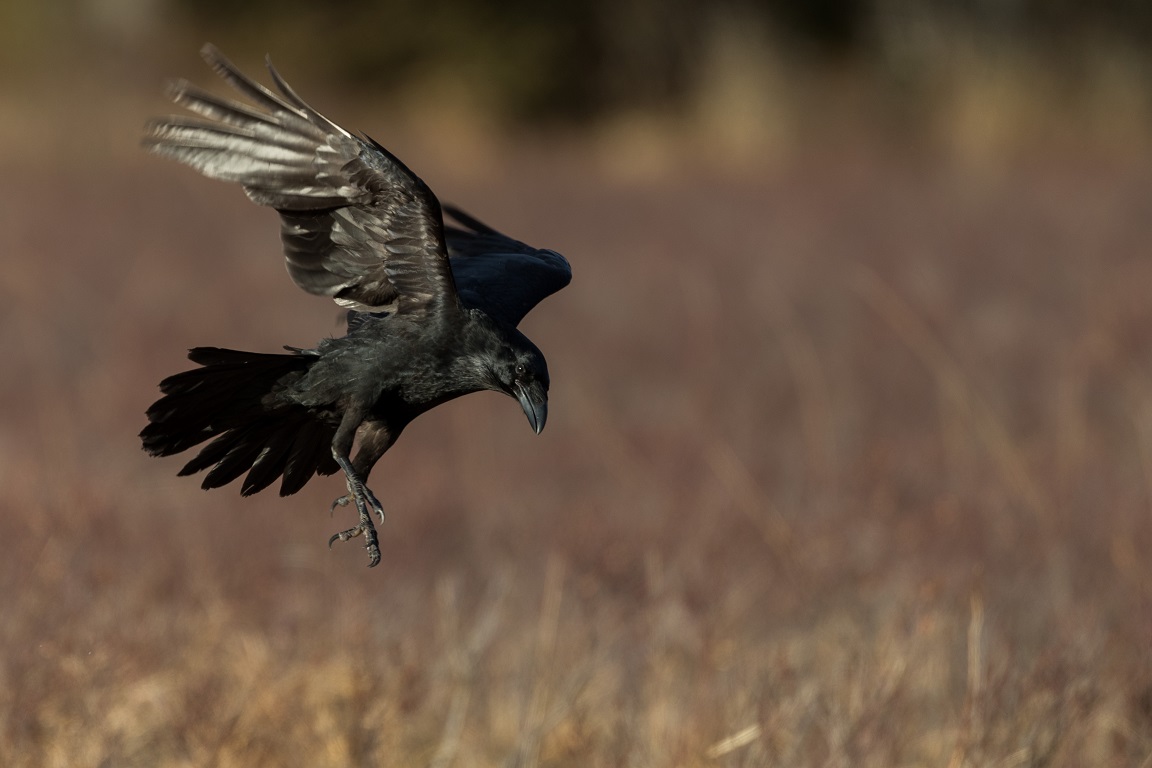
(374,441)
(366,502)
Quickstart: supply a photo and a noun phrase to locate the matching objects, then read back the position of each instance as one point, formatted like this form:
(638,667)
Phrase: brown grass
(849,464)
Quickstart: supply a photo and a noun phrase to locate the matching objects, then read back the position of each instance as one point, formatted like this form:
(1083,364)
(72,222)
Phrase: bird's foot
(369,498)
(366,503)
(371,543)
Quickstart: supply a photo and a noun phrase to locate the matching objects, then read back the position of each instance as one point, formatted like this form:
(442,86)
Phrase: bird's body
(376,363)
(432,315)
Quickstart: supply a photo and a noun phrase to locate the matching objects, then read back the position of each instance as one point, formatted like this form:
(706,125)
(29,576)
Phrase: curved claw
(343,501)
(375,504)
(370,543)
(351,533)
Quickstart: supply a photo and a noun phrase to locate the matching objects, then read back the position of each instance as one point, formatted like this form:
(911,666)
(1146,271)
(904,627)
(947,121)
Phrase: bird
(432,307)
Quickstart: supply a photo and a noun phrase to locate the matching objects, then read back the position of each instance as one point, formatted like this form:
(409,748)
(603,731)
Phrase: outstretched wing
(357,225)
(500,276)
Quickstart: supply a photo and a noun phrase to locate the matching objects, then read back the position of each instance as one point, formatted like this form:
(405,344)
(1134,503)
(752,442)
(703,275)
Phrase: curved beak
(535,405)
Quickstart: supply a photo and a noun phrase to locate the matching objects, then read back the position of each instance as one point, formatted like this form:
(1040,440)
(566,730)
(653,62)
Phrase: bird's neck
(479,345)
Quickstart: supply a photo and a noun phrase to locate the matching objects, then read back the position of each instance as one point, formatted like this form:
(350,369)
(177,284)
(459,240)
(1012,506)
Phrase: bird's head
(519,370)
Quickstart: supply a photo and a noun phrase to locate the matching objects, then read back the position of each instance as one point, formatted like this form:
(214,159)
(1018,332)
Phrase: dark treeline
(578,58)
(572,60)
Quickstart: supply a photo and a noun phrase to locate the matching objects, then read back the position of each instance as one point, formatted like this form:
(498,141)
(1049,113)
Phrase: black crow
(433,309)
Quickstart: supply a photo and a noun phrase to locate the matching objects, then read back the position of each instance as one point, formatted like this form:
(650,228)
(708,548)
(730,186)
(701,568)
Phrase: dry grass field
(849,463)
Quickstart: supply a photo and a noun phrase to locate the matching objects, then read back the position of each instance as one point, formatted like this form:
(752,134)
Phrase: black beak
(535,407)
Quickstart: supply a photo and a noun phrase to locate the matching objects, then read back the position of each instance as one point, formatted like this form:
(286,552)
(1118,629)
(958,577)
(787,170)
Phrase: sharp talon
(340,502)
(370,541)
(374,503)
(351,533)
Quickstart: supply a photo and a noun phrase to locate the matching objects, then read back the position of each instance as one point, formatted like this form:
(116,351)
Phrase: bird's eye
(520,369)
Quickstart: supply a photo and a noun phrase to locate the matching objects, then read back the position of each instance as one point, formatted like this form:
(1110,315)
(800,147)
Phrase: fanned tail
(229,398)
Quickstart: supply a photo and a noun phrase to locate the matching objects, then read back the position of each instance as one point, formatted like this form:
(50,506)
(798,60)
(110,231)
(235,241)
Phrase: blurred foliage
(527,60)
(565,61)
(569,59)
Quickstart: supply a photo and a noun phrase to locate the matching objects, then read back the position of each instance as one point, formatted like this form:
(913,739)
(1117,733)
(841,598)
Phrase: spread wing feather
(356,224)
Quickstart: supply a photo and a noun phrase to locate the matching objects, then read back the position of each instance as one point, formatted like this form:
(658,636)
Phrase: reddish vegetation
(851,463)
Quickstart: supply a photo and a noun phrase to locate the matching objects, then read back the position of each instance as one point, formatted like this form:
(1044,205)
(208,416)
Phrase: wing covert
(501,276)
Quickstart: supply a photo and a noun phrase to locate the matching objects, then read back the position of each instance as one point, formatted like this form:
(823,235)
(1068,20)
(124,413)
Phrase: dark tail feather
(227,398)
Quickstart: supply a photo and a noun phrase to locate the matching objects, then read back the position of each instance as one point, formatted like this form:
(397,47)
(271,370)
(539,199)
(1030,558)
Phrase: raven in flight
(433,309)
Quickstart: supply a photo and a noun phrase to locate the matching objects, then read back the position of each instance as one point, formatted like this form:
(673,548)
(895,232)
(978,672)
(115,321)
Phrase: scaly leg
(374,441)
(366,503)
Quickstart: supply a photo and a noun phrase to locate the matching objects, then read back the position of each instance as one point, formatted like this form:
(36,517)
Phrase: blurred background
(735,81)
(849,455)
